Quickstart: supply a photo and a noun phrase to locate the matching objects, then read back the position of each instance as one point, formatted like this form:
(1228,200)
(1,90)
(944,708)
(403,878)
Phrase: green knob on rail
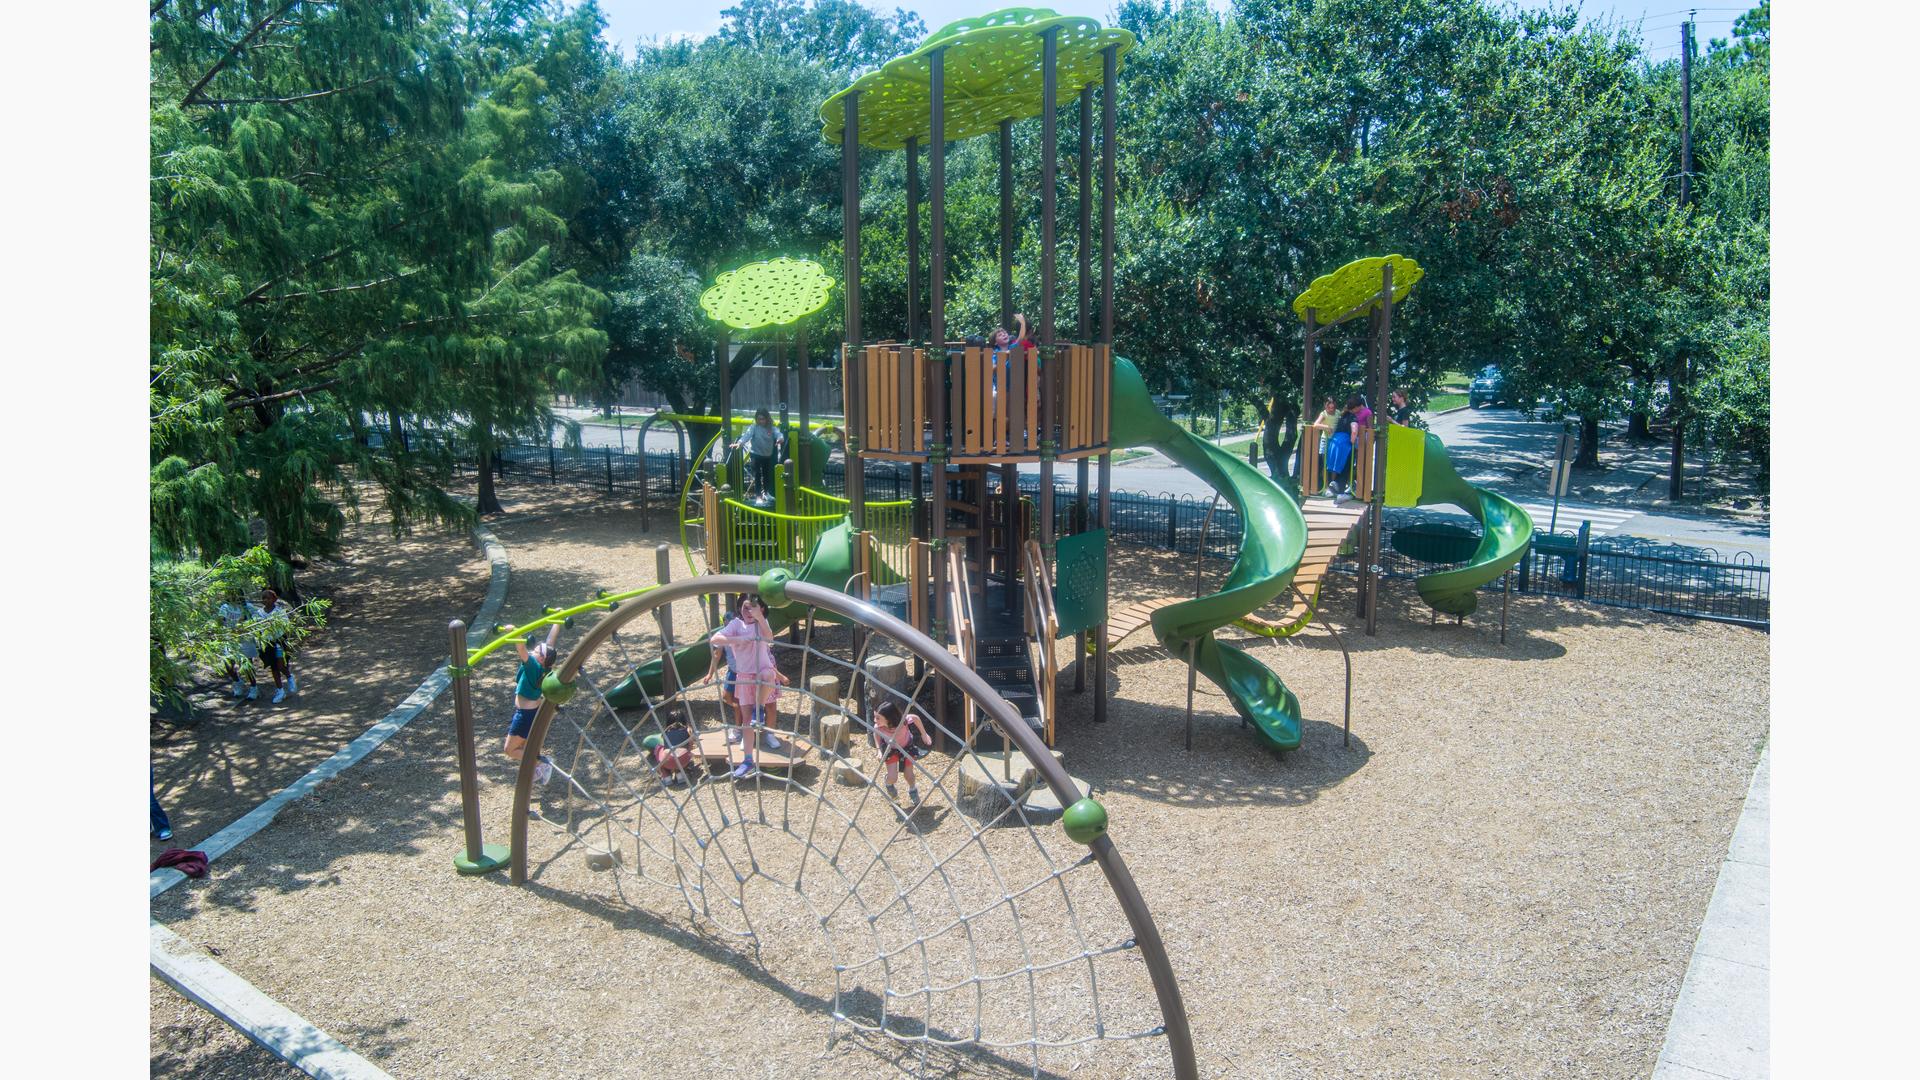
(773,587)
(1085,821)
(560,692)
(652,742)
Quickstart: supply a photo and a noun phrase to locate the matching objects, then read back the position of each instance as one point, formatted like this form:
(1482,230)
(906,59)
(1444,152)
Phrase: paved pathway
(1719,1029)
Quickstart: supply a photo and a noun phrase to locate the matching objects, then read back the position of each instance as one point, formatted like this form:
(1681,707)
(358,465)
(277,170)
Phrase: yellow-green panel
(992,70)
(1331,295)
(771,293)
(1406,464)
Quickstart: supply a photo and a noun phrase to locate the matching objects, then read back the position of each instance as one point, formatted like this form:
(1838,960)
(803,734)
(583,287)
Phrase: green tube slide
(830,566)
(1273,538)
(1505,528)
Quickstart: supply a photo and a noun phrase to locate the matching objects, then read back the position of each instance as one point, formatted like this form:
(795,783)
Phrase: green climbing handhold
(552,687)
(1085,821)
(773,586)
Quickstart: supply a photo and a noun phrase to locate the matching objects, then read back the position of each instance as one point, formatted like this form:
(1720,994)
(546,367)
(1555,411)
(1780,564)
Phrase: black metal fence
(1616,572)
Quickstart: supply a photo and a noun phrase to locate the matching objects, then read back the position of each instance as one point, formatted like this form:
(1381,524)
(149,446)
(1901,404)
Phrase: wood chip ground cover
(1501,876)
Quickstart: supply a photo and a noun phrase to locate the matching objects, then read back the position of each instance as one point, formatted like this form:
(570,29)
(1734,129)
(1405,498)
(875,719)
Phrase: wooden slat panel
(919,398)
(903,399)
(1030,367)
(1002,399)
(978,401)
(1083,394)
(870,420)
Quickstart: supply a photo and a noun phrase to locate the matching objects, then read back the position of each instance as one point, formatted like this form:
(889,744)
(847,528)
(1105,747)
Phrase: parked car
(1489,387)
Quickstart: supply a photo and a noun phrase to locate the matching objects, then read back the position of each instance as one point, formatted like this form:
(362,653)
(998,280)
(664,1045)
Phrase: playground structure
(968,582)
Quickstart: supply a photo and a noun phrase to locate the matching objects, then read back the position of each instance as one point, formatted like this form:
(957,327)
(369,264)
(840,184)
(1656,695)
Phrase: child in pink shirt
(749,644)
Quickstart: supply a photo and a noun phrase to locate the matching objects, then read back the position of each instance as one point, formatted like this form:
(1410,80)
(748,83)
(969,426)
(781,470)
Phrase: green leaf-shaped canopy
(993,73)
(772,293)
(1331,295)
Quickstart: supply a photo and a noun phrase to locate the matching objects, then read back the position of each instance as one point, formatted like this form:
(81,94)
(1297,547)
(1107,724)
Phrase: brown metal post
(463,741)
(1109,87)
(1085,237)
(1049,169)
(663,573)
(856,472)
(806,396)
(1382,362)
(913,239)
(722,362)
(1006,224)
(1307,412)
(937,345)
(1049,363)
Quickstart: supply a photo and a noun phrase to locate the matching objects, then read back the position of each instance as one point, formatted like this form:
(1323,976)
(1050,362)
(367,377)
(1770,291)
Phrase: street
(1496,448)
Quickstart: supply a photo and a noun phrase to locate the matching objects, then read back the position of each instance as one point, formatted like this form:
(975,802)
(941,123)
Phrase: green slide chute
(1419,473)
(1273,537)
(829,566)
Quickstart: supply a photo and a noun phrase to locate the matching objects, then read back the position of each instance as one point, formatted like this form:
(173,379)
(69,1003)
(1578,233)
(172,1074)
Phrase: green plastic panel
(993,73)
(1080,581)
(772,293)
(1406,464)
(1332,295)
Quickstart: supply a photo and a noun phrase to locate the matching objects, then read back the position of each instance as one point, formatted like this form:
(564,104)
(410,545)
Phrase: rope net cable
(961,927)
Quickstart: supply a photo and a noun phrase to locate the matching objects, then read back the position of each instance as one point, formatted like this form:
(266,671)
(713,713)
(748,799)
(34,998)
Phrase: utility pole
(1679,380)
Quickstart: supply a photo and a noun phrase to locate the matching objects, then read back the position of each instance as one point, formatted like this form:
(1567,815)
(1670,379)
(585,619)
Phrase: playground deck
(1329,527)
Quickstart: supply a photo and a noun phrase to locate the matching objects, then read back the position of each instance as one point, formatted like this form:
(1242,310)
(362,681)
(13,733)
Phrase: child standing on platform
(748,641)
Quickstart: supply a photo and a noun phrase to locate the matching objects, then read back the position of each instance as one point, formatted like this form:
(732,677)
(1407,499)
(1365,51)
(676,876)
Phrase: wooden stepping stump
(823,691)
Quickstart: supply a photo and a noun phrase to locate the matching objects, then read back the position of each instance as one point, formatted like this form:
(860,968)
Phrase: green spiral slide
(1273,537)
(1419,473)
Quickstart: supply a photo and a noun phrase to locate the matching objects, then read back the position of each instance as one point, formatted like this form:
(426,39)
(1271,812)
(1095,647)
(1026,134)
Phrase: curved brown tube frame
(1173,1012)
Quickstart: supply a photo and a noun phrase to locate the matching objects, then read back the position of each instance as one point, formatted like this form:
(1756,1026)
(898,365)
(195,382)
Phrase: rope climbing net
(958,918)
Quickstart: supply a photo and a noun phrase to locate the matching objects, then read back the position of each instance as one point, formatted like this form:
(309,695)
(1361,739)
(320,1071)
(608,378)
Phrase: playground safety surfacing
(1506,871)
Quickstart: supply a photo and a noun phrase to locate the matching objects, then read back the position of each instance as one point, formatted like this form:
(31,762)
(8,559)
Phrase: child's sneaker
(893,793)
(733,736)
(913,796)
(543,770)
(743,770)
(768,742)
(280,695)
(253,693)
(293,684)
(238,688)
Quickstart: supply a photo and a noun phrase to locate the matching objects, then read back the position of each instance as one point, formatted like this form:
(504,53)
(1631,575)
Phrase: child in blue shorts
(534,664)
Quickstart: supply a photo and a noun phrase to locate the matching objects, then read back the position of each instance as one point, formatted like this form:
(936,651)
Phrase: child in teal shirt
(534,664)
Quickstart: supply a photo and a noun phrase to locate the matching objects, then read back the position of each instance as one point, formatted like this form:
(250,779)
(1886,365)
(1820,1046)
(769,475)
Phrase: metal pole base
(492,857)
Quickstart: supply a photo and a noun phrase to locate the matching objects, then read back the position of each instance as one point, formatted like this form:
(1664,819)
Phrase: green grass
(1446,401)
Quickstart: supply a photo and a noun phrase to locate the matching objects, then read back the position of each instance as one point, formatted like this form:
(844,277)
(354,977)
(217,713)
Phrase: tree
(186,637)
(339,222)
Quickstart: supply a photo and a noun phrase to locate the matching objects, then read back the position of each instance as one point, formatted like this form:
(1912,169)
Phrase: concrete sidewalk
(1719,1027)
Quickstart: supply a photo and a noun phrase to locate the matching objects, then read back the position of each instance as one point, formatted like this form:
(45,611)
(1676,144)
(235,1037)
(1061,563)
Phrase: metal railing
(1614,572)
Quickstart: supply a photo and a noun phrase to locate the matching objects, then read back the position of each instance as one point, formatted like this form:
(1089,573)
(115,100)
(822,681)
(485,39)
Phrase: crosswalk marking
(1605,519)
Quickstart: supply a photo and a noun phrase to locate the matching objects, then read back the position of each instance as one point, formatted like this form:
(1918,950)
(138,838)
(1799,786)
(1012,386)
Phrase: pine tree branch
(264,399)
(260,290)
(233,51)
(261,299)
(294,100)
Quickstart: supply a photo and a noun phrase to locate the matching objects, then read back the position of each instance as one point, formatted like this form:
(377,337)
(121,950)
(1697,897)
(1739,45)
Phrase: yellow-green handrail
(549,617)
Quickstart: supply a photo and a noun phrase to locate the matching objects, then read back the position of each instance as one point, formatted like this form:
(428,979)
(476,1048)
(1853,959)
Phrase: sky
(632,21)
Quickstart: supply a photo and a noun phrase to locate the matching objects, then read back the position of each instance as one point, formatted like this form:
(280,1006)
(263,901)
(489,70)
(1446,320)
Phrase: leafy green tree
(187,639)
(343,218)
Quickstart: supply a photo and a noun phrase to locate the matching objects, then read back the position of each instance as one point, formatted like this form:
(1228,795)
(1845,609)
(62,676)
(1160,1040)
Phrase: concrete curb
(275,1028)
(1719,1027)
(183,966)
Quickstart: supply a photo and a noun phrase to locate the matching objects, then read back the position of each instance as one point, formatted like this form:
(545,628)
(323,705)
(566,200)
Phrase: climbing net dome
(993,72)
(961,931)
